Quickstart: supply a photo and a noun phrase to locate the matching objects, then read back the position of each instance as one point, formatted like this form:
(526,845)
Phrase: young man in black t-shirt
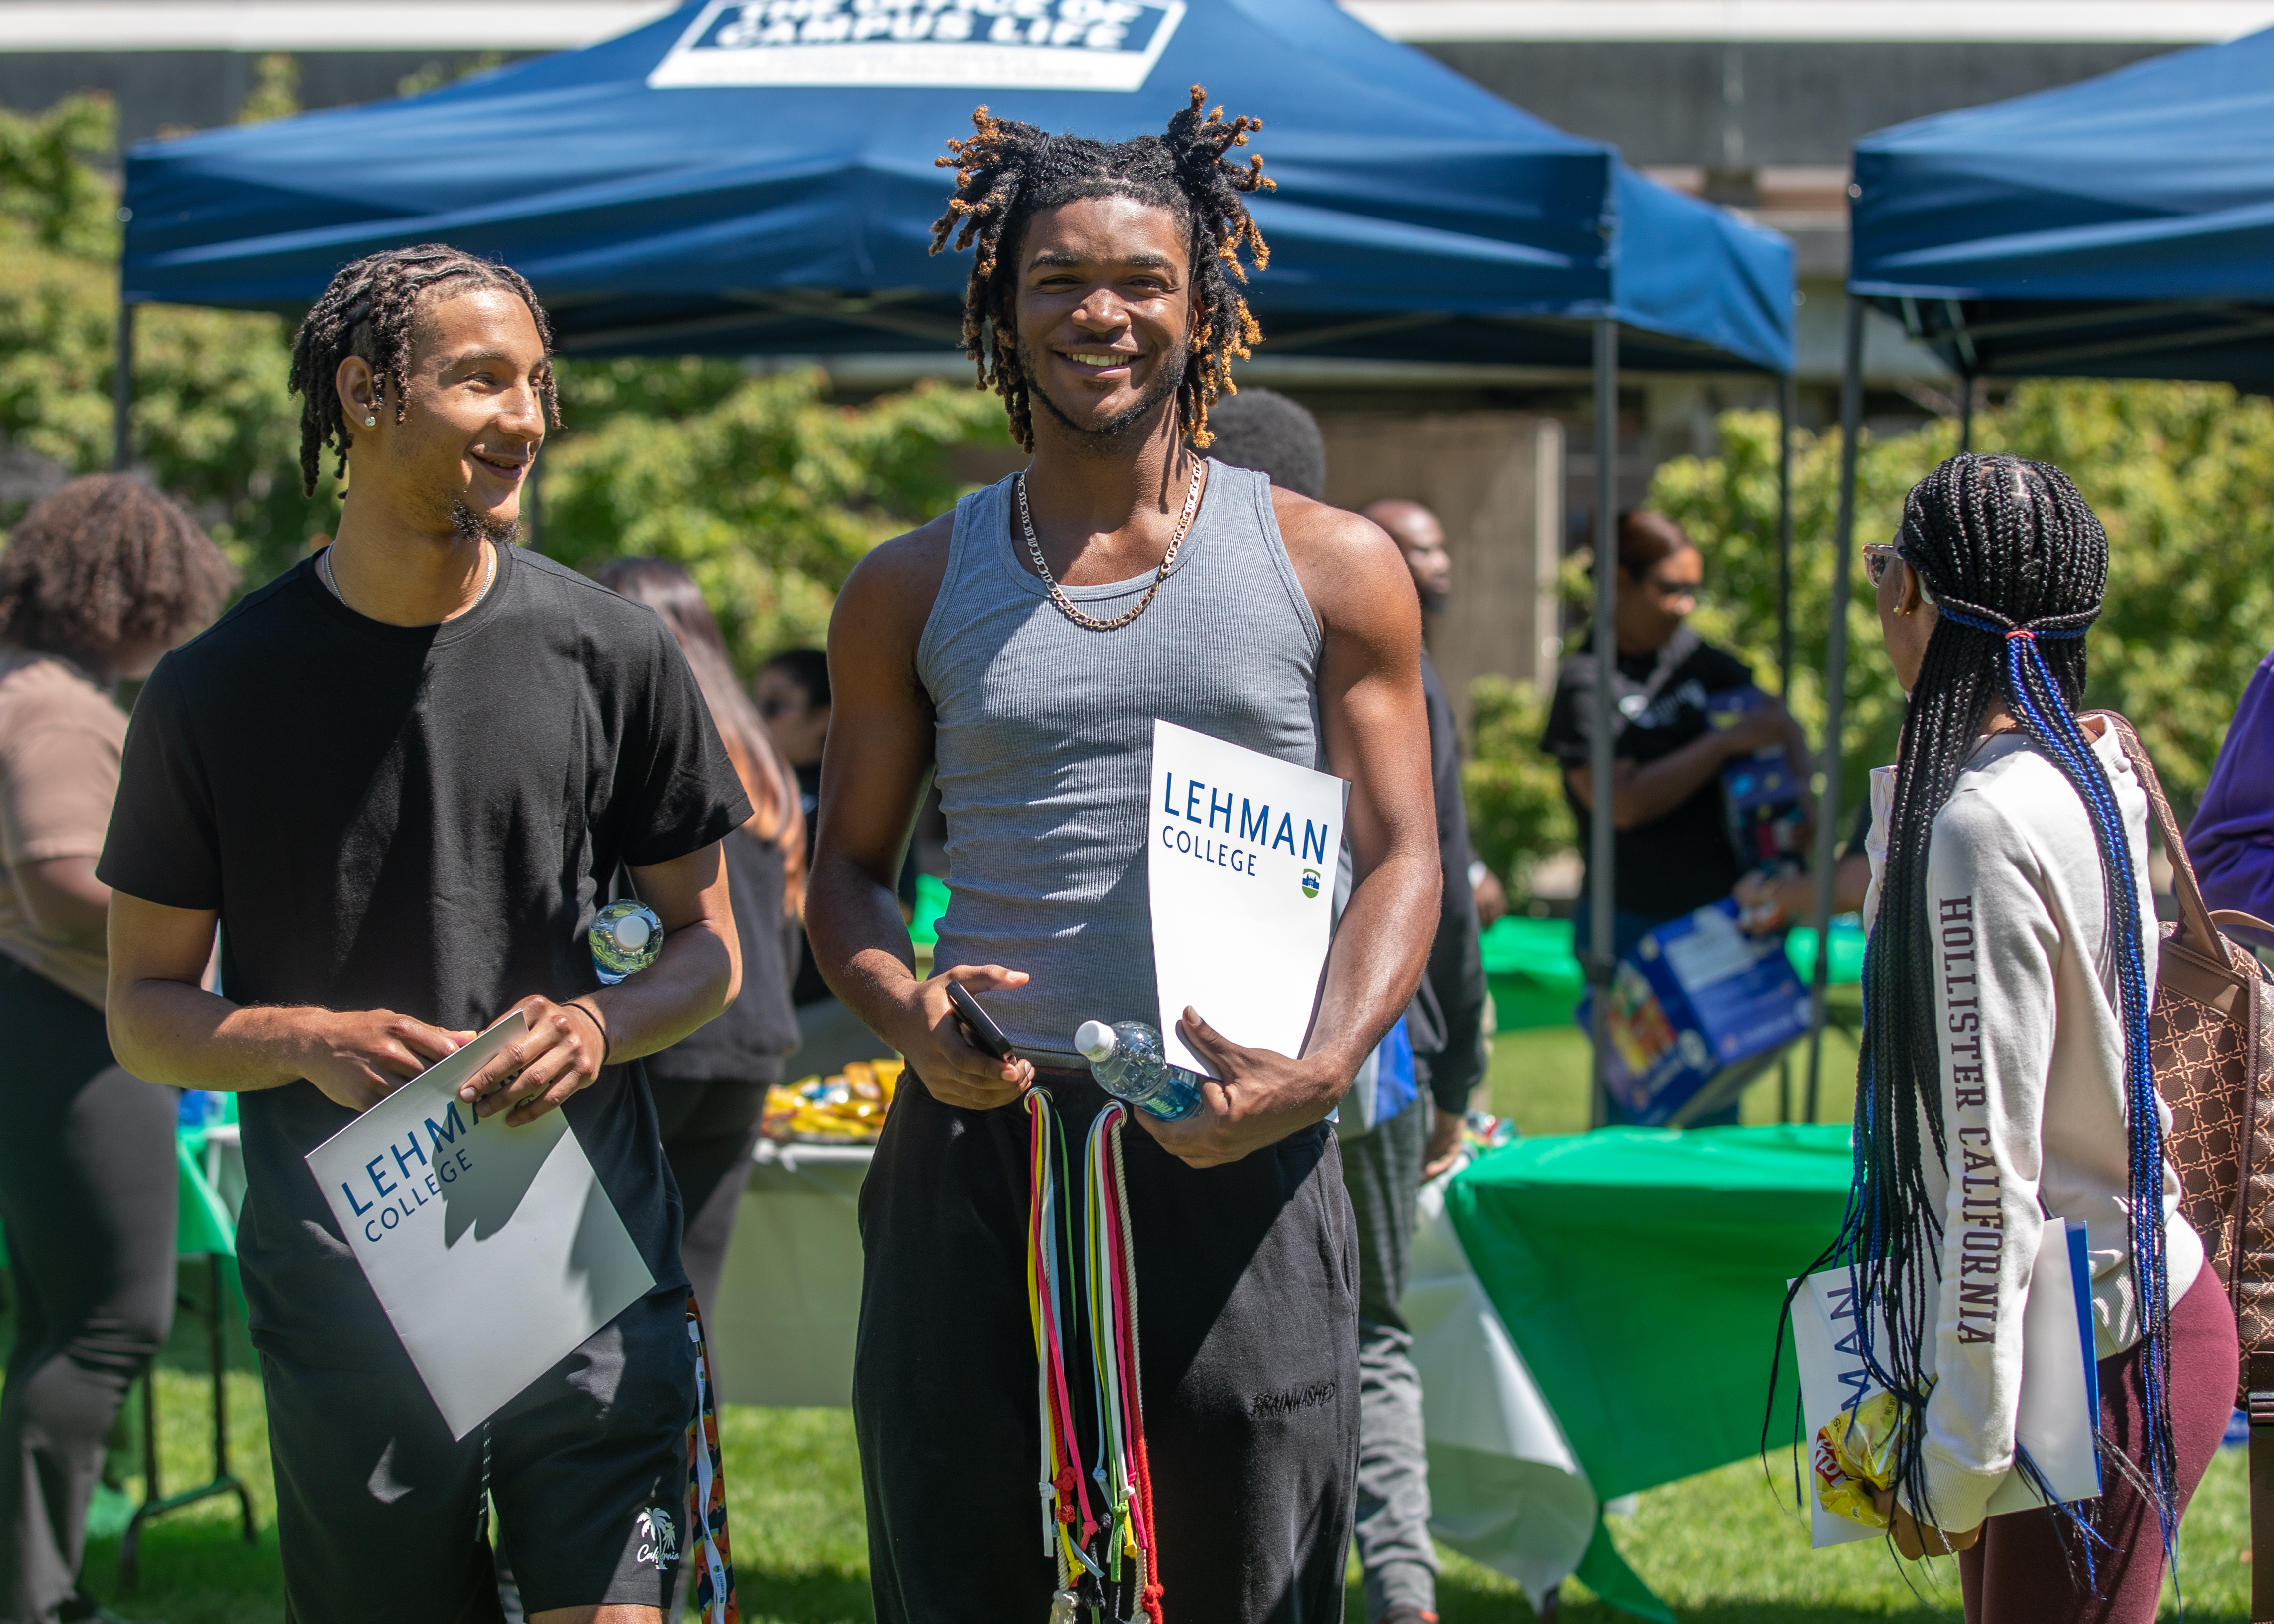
(399,778)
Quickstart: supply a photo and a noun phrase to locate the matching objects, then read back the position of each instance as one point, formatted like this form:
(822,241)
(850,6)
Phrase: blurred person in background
(1448,1015)
(97,582)
(710,1088)
(1389,1145)
(2232,839)
(792,693)
(1674,851)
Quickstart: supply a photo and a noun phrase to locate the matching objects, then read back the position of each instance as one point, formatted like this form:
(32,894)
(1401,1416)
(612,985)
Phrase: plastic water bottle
(1126,1059)
(626,938)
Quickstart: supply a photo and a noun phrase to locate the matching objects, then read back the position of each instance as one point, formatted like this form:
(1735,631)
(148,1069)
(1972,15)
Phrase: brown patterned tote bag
(2212,1035)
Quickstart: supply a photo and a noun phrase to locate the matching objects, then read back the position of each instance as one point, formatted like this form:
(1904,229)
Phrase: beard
(471,526)
(1101,435)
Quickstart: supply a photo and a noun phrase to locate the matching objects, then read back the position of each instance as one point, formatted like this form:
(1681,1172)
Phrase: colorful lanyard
(706,1491)
(1112,1567)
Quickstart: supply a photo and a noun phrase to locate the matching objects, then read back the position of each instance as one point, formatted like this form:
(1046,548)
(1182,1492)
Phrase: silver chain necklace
(489,576)
(1168,562)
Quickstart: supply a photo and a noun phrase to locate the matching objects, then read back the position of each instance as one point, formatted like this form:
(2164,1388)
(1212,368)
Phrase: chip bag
(1854,1458)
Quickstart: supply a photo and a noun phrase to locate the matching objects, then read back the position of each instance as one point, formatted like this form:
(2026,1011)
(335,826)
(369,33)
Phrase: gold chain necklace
(1168,562)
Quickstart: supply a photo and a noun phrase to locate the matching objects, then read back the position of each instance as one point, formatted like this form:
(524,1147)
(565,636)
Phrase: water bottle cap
(631,932)
(1095,1040)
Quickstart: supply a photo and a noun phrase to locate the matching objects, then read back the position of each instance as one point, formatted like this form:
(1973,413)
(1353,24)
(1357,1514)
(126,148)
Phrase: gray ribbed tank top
(1046,741)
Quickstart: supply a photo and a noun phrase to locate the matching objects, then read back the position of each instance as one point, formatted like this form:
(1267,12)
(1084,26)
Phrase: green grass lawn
(1720,1548)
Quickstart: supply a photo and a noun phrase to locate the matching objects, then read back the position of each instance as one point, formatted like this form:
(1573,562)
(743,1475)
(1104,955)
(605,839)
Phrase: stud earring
(371,422)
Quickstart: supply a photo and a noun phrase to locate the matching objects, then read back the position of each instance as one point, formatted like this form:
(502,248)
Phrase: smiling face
(473,420)
(1103,314)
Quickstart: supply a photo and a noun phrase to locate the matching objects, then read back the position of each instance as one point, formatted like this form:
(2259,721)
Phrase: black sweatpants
(709,1131)
(88,1194)
(1248,1323)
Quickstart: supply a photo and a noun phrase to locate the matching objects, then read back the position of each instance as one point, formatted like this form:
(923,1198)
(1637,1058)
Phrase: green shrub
(2178,474)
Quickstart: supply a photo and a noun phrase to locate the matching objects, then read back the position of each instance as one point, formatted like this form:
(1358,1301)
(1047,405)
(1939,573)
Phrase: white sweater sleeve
(1996,947)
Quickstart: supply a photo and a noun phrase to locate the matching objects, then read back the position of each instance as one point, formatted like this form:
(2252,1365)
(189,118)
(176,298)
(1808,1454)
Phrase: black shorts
(380,1515)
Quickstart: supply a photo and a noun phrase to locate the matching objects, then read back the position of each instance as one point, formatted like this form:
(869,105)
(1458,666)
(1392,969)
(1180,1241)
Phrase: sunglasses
(1877,557)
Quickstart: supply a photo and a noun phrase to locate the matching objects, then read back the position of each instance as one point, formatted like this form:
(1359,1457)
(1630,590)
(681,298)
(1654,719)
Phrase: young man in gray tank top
(1023,646)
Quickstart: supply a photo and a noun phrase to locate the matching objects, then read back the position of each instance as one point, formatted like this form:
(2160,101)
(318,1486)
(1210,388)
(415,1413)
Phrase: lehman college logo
(1310,881)
(658,1541)
(1023,44)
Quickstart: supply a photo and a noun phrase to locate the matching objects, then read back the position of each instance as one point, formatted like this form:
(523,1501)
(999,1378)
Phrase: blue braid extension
(2053,726)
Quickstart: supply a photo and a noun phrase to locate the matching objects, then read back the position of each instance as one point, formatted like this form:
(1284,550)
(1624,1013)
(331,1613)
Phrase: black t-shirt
(417,819)
(748,1042)
(808,987)
(1685,859)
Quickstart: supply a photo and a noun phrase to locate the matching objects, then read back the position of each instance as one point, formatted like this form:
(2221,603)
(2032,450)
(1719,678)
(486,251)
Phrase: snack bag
(1854,1458)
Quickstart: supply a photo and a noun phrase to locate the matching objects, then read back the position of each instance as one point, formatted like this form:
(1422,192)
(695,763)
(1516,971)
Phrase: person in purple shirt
(2232,839)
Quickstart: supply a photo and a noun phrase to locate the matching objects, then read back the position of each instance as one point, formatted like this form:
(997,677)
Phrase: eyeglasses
(1878,555)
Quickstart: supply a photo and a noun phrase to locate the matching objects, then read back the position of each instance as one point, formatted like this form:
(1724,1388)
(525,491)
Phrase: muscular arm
(880,747)
(164,1028)
(1376,736)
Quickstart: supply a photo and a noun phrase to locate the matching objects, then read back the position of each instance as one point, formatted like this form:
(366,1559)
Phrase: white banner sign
(979,44)
(1241,850)
(493,1250)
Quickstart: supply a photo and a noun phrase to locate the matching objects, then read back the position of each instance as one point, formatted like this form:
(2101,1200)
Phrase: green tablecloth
(1640,1272)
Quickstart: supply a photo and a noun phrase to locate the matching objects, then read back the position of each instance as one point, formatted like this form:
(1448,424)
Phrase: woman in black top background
(1673,850)
(710,1088)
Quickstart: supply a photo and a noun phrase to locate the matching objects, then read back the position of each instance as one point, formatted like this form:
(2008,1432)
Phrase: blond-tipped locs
(1006,171)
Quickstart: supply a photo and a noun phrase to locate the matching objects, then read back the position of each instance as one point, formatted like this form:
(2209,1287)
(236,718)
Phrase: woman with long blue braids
(2004,1082)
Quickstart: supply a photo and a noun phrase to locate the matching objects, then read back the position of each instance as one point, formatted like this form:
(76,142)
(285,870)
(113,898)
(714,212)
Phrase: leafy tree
(769,497)
(1512,791)
(2177,474)
(51,195)
(765,490)
(276,91)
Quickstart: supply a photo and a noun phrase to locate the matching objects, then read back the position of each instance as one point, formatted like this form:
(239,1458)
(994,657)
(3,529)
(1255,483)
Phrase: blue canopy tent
(757,176)
(2118,228)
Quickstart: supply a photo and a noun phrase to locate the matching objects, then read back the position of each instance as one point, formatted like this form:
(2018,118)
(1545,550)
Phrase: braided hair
(371,310)
(1007,172)
(2017,562)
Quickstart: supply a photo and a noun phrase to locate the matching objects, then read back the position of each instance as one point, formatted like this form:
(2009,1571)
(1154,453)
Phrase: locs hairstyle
(2017,562)
(1008,171)
(370,310)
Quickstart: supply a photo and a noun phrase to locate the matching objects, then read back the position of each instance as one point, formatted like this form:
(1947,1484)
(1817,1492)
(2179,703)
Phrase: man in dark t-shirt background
(1673,849)
(400,778)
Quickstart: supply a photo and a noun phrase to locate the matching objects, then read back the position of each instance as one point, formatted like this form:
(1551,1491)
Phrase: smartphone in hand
(978,1025)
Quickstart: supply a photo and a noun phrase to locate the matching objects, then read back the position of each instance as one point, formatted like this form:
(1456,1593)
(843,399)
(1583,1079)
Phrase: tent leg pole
(1788,409)
(121,393)
(1966,412)
(1603,878)
(1836,691)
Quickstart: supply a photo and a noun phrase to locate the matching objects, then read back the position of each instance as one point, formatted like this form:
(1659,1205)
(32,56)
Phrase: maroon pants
(2020,1573)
